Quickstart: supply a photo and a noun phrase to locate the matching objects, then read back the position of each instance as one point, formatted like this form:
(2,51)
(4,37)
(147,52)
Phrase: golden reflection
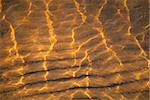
(74,49)
(13,39)
(77,5)
(29,11)
(109,48)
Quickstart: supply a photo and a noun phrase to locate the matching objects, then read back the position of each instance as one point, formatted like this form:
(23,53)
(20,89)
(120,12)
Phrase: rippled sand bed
(74,50)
